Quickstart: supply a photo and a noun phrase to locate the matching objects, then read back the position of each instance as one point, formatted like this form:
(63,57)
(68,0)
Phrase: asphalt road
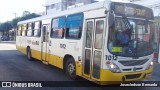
(14,66)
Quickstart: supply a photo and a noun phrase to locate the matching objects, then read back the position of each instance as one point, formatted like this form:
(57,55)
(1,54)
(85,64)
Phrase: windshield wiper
(127,23)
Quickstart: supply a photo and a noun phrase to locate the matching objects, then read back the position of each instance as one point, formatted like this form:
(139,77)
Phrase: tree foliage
(29,16)
(26,13)
(15,21)
(4,27)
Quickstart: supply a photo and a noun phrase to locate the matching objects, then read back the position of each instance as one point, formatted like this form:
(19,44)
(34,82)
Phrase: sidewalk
(9,42)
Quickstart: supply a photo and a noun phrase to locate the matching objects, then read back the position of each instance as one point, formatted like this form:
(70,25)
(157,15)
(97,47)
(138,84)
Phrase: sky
(9,7)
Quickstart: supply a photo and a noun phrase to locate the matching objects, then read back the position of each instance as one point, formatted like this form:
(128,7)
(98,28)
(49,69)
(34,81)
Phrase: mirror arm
(111,17)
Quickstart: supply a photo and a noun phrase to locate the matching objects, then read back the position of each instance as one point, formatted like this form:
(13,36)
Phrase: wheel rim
(71,69)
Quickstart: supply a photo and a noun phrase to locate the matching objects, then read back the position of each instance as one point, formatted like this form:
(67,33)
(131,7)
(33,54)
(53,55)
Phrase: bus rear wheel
(71,69)
(29,56)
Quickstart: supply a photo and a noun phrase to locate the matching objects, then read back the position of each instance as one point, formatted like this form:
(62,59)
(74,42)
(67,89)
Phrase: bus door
(93,48)
(45,37)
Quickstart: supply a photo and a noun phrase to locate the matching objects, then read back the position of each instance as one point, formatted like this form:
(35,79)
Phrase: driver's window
(133,29)
(149,27)
(122,35)
(119,25)
(141,31)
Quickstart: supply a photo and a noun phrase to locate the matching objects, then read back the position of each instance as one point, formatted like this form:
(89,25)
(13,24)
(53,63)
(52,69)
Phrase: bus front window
(127,41)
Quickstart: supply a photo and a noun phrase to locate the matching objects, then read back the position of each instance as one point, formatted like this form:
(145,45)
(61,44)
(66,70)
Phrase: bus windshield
(131,37)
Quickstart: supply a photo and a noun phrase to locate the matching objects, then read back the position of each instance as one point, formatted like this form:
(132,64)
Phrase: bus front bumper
(107,77)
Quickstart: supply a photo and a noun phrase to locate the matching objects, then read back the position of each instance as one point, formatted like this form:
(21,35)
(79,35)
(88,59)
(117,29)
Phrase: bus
(105,42)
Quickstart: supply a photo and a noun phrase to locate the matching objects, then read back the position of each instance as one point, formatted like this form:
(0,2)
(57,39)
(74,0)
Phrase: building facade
(53,6)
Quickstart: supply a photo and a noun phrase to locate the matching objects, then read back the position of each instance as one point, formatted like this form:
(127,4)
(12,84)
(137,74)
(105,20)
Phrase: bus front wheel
(71,68)
(29,56)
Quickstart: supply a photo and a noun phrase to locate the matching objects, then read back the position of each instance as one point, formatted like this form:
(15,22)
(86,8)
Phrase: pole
(15,14)
(14,36)
(158,37)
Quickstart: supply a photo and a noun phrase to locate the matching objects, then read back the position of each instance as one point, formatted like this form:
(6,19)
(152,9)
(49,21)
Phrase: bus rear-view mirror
(111,19)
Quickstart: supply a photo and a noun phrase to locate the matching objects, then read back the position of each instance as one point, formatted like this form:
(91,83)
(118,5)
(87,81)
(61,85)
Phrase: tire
(71,69)
(29,55)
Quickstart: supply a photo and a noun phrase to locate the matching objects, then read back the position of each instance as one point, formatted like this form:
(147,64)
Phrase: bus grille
(133,62)
(133,76)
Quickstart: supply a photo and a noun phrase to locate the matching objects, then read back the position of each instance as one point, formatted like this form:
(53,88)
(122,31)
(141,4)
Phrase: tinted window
(58,25)
(97,64)
(19,30)
(30,29)
(37,29)
(74,26)
(24,28)
(89,34)
(99,34)
(131,42)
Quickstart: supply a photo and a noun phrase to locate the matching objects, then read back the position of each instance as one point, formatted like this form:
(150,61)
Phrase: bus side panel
(18,42)
(56,61)
(36,47)
(52,60)
(74,48)
(21,46)
(56,53)
(36,54)
(21,49)
(78,68)
(60,47)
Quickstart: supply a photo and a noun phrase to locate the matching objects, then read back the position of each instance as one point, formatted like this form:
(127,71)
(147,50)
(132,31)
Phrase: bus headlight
(114,68)
(150,65)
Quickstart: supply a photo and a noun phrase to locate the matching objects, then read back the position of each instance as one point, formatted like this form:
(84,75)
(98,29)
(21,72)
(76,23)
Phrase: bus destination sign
(132,10)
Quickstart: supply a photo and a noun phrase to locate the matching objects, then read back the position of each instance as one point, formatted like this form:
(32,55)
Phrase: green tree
(15,21)
(6,26)
(29,16)
(26,13)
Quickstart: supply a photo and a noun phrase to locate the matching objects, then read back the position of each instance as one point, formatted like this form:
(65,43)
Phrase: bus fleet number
(111,57)
(63,46)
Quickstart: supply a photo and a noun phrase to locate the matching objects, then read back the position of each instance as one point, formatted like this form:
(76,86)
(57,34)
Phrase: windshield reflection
(131,38)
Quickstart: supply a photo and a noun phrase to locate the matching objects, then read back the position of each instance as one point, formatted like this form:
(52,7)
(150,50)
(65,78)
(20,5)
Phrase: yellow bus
(101,42)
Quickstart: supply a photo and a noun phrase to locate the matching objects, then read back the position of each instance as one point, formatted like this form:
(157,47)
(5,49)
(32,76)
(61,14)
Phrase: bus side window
(19,30)
(30,29)
(57,30)
(74,26)
(24,29)
(37,30)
